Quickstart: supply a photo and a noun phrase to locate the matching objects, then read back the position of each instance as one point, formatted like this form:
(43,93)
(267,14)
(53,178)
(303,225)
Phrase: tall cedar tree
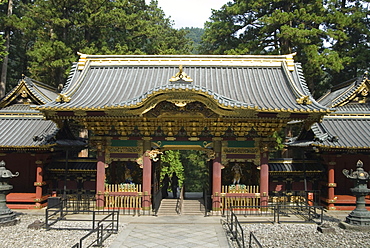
(50,33)
(307,28)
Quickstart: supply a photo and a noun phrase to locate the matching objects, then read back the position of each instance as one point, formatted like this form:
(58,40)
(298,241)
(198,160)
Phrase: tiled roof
(42,92)
(24,128)
(340,94)
(344,132)
(233,81)
(26,132)
(73,165)
(19,109)
(348,126)
(295,166)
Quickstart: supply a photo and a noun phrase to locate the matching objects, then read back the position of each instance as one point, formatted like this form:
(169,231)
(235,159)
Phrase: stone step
(167,207)
(193,207)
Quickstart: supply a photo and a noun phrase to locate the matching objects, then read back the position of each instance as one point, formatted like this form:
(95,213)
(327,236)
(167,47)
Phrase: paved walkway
(171,231)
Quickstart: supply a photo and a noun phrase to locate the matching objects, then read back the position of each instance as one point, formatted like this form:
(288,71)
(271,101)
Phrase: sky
(190,13)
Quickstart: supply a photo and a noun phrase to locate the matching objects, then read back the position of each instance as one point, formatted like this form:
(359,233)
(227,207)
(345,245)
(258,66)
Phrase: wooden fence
(239,195)
(126,197)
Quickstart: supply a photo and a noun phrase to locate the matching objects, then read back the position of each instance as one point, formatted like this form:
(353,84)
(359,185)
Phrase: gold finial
(181,77)
(63,98)
(305,100)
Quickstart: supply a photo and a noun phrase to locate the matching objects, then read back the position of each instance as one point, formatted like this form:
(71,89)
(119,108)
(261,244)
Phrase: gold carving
(332,185)
(153,154)
(305,100)
(210,154)
(240,150)
(113,149)
(80,113)
(283,115)
(39,184)
(63,98)
(181,77)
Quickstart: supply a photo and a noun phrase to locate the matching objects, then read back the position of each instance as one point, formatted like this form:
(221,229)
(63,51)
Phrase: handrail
(252,239)
(157,201)
(180,201)
(205,201)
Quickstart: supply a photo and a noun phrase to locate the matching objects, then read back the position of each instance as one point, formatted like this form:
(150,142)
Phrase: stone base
(9,219)
(325,229)
(358,218)
(345,225)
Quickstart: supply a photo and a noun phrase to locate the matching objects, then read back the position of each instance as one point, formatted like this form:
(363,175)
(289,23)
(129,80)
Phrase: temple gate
(229,106)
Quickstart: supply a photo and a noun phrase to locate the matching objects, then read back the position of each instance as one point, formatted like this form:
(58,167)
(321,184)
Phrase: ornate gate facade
(228,106)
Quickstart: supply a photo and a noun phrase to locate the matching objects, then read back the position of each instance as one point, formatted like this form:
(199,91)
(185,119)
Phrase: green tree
(171,162)
(349,21)
(48,34)
(194,34)
(195,169)
(307,28)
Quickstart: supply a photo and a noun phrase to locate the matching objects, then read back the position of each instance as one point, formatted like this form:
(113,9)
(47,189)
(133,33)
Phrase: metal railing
(205,201)
(157,199)
(180,201)
(255,211)
(102,233)
(60,211)
(310,197)
(306,214)
(253,241)
(235,229)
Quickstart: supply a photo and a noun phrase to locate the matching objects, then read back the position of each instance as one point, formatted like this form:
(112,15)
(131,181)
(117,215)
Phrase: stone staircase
(190,207)
(168,207)
(193,207)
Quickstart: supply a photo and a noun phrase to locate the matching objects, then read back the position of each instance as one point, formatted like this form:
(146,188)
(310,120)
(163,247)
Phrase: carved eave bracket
(181,77)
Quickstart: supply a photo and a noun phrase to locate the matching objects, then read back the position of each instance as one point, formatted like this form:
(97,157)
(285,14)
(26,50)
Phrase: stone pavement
(171,231)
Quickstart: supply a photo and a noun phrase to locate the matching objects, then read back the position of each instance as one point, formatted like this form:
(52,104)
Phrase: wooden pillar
(39,182)
(264,178)
(216,186)
(147,181)
(331,185)
(100,180)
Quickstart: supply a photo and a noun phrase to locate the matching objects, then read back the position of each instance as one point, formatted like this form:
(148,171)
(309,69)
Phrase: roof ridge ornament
(181,77)
(305,100)
(63,98)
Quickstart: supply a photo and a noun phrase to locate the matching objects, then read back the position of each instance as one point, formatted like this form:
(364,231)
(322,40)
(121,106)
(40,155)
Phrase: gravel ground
(19,236)
(306,235)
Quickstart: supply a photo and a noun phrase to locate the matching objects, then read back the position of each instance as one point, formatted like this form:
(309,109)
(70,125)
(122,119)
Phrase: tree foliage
(195,169)
(194,34)
(171,162)
(48,34)
(327,38)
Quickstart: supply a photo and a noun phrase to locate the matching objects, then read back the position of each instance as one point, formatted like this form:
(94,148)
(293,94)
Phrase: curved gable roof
(30,92)
(342,94)
(272,83)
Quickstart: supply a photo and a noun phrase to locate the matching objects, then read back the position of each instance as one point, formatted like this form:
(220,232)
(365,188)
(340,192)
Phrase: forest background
(40,39)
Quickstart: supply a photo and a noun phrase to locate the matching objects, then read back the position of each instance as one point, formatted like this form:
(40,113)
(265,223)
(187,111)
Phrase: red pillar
(39,182)
(216,186)
(100,180)
(331,186)
(147,181)
(264,179)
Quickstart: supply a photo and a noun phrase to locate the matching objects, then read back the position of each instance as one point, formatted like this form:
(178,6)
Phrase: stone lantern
(7,216)
(359,217)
